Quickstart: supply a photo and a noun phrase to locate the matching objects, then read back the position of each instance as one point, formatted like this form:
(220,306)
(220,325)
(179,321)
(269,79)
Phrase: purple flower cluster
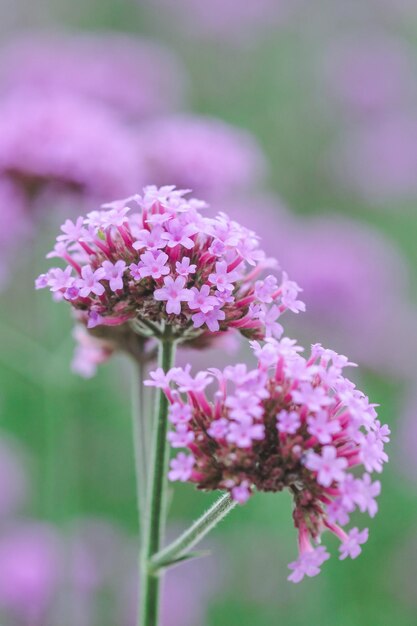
(166,263)
(292,423)
(64,143)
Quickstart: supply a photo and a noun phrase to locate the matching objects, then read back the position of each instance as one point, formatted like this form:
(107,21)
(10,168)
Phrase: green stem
(193,535)
(155,512)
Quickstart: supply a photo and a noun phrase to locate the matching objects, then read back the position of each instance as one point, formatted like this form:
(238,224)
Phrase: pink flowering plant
(291,423)
(154,260)
(152,269)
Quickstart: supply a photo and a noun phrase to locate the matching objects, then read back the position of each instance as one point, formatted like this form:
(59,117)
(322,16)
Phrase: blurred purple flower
(61,132)
(201,153)
(114,557)
(59,142)
(136,77)
(100,551)
(370,74)
(190,586)
(378,160)
(355,283)
(356,291)
(89,352)
(46,574)
(97,555)
(29,572)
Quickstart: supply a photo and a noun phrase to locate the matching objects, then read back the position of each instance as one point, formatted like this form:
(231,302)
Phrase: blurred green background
(270,78)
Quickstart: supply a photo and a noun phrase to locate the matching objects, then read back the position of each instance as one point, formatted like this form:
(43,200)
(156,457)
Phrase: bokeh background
(299,118)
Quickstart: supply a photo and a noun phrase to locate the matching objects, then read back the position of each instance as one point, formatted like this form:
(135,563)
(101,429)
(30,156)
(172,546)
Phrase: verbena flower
(201,153)
(162,262)
(292,423)
(135,77)
(62,143)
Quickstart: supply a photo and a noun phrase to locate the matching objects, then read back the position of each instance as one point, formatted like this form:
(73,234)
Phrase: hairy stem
(155,511)
(193,535)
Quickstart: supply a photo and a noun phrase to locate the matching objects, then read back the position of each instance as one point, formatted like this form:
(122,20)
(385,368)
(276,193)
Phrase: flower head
(292,423)
(58,142)
(154,259)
